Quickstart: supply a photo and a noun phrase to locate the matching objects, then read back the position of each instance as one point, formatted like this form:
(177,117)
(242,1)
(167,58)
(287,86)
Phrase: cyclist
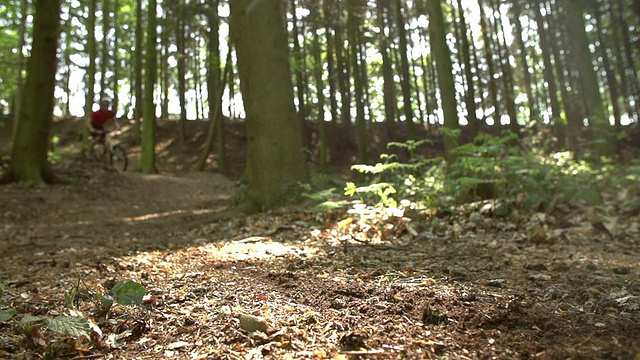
(98,119)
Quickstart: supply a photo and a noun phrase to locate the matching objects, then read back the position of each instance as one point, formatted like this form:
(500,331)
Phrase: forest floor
(338,285)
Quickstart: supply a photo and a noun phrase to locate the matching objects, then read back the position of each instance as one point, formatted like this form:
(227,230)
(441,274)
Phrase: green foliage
(124,292)
(323,190)
(69,325)
(491,167)
(54,154)
(5,315)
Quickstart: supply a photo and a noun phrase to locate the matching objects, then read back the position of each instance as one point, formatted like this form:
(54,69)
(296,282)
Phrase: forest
(320,179)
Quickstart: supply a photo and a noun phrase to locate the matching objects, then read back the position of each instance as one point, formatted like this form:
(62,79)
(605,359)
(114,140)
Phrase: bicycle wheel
(118,158)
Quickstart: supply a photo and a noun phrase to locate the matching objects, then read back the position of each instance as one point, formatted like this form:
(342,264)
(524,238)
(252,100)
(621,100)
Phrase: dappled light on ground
(382,282)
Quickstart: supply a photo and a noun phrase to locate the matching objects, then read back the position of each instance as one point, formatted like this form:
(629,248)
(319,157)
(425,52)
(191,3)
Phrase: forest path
(107,208)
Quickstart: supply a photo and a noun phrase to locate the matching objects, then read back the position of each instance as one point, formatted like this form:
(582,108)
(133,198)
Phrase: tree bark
(404,68)
(92,52)
(356,9)
(148,150)
(446,82)
(275,154)
(31,141)
(138,56)
(600,130)
(470,98)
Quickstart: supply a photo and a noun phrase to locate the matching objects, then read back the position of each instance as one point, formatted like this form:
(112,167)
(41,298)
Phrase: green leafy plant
(490,167)
(6,314)
(123,293)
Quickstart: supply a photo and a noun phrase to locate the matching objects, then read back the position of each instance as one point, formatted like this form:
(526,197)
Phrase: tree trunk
(556,112)
(148,150)
(92,52)
(275,154)
(182,88)
(116,59)
(488,54)
(316,49)
(600,130)
(527,83)
(331,73)
(470,97)
(17,100)
(446,84)
(389,84)
(404,68)
(356,9)
(215,87)
(299,67)
(30,144)
(104,56)
(138,55)
(612,82)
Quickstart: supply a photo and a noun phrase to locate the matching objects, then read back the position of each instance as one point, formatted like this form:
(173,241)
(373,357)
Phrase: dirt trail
(106,209)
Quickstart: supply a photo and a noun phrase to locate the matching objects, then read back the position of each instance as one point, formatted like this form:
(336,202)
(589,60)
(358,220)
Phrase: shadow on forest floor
(327,285)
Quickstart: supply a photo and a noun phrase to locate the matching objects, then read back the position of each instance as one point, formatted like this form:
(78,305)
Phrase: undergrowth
(490,167)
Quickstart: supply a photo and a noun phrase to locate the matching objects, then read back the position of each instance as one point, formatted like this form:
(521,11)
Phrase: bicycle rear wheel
(118,158)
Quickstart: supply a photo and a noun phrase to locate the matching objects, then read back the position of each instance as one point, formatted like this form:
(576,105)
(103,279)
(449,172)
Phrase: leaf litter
(298,284)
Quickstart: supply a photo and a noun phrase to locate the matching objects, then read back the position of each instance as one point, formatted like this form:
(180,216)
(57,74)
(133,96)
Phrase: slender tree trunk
(104,57)
(31,142)
(526,72)
(316,49)
(138,56)
(446,83)
(182,56)
(17,100)
(507,72)
(353,29)
(92,52)
(389,84)
(628,54)
(599,127)
(470,96)
(488,53)
(116,59)
(556,112)
(331,73)
(148,151)
(612,82)
(165,73)
(215,88)
(298,72)
(404,68)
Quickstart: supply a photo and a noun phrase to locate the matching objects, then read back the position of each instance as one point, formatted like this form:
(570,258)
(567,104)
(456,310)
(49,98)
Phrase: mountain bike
(116,155)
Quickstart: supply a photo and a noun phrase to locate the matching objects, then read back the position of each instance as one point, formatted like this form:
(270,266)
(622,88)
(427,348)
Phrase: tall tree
(104,46)
(31,141)
(182,57)
(148,151)
(17,103)
(138,57)
(407,105)
(354,31)
(556,112)
(580,56)
(275,157)
(446,84)
(92,52)
(215,88)
(470,96)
